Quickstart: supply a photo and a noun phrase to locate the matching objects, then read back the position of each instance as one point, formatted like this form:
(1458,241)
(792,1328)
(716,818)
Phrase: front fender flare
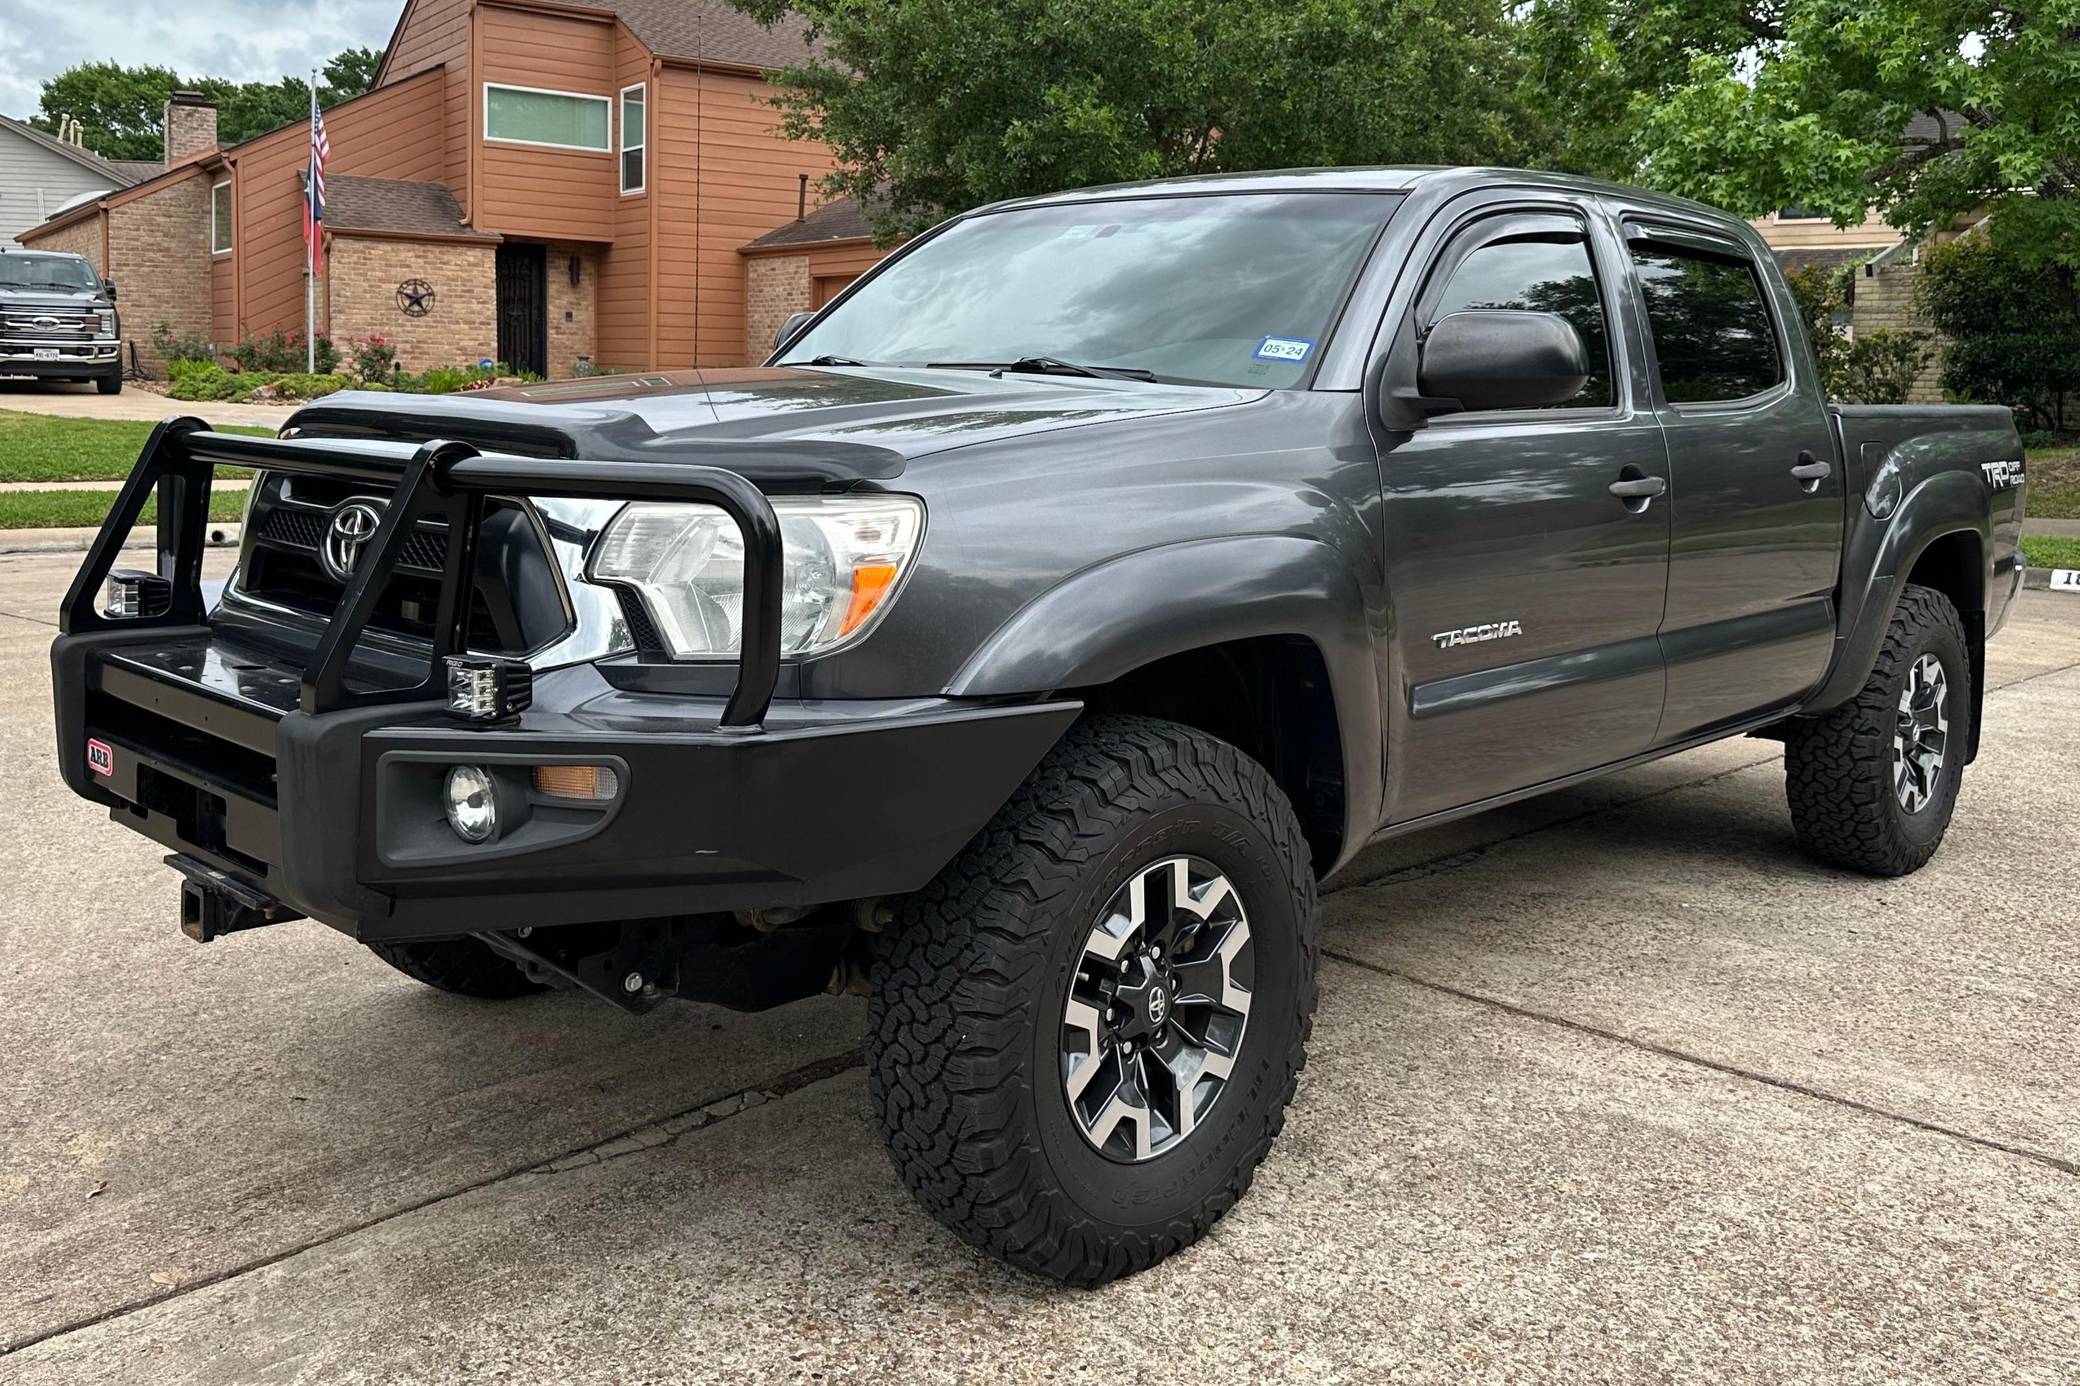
(1111,619)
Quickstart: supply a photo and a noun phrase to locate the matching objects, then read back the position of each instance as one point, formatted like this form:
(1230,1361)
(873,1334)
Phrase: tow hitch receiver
(212,903)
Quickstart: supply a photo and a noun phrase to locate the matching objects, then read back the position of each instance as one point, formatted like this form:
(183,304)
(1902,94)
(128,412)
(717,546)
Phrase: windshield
(1232,289)
(65,272)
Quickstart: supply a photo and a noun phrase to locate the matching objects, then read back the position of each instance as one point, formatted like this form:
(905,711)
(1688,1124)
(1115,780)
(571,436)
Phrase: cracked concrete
(1607,1086)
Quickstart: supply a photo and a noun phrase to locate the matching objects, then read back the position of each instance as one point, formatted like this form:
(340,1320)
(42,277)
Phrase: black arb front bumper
(309,786)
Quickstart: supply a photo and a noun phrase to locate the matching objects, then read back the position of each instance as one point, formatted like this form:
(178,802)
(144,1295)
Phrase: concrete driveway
(1611,1087)
(85,402)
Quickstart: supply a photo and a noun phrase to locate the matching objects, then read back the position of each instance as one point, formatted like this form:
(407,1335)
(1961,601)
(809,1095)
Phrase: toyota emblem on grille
(351,527)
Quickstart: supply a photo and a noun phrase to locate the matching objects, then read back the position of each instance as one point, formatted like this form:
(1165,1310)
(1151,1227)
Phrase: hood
(773,423)
(57,300)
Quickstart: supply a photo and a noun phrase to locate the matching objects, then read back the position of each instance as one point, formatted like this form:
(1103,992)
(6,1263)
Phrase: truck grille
(283,566)
(56,327)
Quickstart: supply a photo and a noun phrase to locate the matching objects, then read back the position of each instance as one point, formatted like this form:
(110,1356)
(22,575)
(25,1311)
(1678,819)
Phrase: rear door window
(1714,341)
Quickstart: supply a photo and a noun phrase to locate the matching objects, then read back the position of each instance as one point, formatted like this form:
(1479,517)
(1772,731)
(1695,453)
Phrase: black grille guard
(439,478)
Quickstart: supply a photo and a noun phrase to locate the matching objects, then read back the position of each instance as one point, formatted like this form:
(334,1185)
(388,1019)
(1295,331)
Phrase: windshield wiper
(1049,365)
(828,361)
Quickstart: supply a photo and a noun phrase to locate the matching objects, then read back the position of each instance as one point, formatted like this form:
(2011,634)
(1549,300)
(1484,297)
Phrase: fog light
(488,690)
(134,593)
(470,800)
(596,782)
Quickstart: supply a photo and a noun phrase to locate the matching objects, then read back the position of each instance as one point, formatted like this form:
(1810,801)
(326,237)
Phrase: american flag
(314,192)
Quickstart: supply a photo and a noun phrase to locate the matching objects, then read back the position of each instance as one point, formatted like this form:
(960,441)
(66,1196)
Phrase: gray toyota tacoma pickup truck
(1027,638)
(58,320)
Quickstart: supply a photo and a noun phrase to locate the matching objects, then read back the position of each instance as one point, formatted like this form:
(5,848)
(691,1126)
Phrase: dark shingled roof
(397,206)
(120,173)
(704,31)
(1794,258)
(841,220)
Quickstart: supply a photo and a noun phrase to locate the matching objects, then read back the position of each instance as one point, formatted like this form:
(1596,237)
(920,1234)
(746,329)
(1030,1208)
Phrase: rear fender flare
(1876,560)
(1132,610)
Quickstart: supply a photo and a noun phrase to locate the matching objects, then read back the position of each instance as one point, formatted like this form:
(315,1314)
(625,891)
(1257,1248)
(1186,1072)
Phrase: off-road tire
(969,986)
(1838,767)
(109,384)
(459,965)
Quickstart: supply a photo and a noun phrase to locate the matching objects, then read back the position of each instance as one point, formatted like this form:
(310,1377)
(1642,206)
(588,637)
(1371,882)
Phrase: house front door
(523,308)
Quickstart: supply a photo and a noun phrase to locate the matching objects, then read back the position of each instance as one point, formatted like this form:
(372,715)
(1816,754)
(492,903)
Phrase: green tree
(1815,109)
(934,106)
(121,108)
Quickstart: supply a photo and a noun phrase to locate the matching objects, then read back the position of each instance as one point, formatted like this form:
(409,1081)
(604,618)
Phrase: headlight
(108,322)
(844,557)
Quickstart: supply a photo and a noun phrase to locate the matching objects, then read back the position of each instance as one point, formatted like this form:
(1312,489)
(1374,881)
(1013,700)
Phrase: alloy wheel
(1155,1017)
(1921,733)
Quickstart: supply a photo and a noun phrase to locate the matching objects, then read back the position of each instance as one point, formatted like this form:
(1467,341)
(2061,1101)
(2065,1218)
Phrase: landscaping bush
(1877,367)
(206,380)
(2014,328)
(374,361)
(174,350)
(281,354)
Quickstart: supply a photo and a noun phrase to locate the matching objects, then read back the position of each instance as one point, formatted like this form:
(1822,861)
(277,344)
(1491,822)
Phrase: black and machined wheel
(1872,783)
(1086,1030)
(459,965)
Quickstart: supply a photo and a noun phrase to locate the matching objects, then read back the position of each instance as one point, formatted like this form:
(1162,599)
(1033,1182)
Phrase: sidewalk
(83,402)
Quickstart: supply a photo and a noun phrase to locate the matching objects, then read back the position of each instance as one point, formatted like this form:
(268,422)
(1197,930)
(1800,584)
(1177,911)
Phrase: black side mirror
(795,323)
(1503,358)
(108,286)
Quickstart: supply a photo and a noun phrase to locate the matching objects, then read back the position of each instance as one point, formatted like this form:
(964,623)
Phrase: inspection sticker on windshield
(1284,348)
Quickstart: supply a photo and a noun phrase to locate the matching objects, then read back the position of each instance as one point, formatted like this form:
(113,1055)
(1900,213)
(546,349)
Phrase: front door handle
(1811,472)
(1639,487)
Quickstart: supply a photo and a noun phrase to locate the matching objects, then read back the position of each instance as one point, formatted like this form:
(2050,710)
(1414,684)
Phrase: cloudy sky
(246,40)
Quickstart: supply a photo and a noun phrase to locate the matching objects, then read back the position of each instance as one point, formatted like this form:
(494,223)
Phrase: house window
(635,137)
(220,218)
(557,119)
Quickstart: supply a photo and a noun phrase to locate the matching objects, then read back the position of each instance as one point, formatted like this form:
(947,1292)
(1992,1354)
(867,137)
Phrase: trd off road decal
(1475,635)
(100,759)
(2004,475)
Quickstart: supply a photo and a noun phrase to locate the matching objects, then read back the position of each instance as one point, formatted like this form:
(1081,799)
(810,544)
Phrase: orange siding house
(560,185)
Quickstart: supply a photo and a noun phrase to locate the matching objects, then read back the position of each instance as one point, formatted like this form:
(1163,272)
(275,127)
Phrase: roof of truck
(1402,178)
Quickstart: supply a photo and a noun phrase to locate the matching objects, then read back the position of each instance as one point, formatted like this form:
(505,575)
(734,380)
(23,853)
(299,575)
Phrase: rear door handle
(1639,487)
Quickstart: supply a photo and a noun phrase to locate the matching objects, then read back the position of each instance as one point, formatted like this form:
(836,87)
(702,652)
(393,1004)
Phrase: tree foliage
(1875,367)
(938,105)
(1816,102)
(2013,325)
(120,108)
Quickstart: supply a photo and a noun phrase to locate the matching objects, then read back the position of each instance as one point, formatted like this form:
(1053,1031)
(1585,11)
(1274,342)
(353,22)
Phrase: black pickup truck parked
(1026,640)
(58,320)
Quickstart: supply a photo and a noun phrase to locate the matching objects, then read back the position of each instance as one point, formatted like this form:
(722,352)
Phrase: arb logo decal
(100,759)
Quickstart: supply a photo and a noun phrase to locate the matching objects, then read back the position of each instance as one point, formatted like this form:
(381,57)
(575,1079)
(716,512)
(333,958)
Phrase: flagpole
(310,250)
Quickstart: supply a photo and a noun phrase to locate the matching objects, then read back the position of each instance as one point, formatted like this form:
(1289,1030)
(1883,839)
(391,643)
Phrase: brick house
(551,183)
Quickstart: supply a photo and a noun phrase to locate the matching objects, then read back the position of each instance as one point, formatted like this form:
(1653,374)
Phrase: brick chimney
(191,126)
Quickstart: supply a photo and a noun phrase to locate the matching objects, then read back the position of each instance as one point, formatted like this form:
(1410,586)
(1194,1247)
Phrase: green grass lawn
(2054,484)
(38,447)
(2043,552)
(87,509)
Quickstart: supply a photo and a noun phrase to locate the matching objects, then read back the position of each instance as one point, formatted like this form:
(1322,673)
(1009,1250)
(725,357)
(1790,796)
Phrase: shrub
(301,386)
(206,380)
(372,358)
(2014,328)
(282,353)
(1878,367)
(174,350)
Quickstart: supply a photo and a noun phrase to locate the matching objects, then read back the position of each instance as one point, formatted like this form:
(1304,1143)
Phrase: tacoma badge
(1474,635)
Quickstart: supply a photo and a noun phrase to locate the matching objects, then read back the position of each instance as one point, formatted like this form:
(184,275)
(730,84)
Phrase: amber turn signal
(594,782)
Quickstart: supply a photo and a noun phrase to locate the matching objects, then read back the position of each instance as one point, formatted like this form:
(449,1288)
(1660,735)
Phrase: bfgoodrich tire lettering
(971,982)
(1841,769)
